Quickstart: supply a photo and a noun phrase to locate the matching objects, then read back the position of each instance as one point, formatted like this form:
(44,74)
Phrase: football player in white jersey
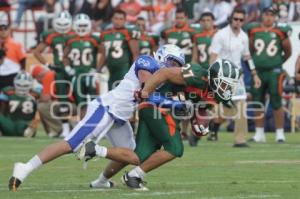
(108,116)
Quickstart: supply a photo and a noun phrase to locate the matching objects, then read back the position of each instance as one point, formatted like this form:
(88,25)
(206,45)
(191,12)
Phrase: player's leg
(258,97)
(119,136)
(241,124)
(97,120)
(275,90)
(166,131)
(10,127)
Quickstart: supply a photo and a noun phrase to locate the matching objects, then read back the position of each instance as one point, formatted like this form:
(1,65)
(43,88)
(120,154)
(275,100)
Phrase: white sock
(137,172)
(102,178)
(66,128)
(259,132)
(34,163)
(280,134)
(101,151)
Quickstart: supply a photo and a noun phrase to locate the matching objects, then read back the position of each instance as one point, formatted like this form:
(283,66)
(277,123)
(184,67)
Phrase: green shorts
(11,127)
(84,89)
(157,128)
(271,83)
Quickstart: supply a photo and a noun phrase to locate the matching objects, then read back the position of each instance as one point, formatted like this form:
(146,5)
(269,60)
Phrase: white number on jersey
(77,57)
(260,45)
(60,51)
(27,106)
(117,51)
(186,45)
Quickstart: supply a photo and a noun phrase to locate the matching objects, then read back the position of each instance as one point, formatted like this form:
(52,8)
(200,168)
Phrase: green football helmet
(223,78)
(23,82)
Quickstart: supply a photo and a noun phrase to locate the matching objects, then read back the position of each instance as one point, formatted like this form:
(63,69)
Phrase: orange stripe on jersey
(175,29)
(149,39)
(113,30)
(170,121)
(10,92)
(204,34)
(50,38)
(261,29)
(85,38)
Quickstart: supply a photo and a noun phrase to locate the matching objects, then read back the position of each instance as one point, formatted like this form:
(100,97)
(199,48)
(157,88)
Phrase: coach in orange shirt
(12,56)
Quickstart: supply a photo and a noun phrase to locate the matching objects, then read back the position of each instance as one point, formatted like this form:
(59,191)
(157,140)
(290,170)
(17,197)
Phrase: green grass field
(210,171)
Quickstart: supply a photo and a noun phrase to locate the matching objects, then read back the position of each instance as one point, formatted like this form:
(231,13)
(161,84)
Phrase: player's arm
(216,47)
(37,52)
(287,48)
(172,74)
(101,58)
(134,48)
(3,103)
(195,54)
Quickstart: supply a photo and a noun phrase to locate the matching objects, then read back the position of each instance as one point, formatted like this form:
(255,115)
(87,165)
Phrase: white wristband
(251,64)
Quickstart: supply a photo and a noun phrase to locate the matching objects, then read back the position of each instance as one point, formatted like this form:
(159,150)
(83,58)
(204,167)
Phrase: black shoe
(134,182)
(193,140)
(280,141)
(13,184)
(251,140)
(241,145)
(87,151)
(212,136)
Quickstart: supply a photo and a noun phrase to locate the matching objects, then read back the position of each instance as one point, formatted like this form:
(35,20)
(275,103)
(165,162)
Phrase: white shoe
(259,139)
(21,171)
(280,138)
(96,184)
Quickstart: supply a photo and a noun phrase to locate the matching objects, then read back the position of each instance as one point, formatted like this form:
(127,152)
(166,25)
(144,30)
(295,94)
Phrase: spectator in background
(102,14)
(162,12)
(12,55)
(22,6)
(132,9)
(282,9)
(221,10)
(201,7)
(251,8)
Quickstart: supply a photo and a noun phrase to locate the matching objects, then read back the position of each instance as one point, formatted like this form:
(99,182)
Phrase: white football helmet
(167,53)
(23,83)
(62,23)
(82,24)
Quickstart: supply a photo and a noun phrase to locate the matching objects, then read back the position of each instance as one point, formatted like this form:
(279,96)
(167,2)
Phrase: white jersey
(120,101)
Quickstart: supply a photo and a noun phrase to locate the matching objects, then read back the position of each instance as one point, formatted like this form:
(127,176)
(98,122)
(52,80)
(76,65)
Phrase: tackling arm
(172,74)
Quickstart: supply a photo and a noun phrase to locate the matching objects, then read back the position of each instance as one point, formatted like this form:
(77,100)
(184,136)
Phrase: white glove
(29,132)
(70,71)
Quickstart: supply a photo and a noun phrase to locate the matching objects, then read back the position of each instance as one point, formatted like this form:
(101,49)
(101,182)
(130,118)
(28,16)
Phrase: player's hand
(199,130)
(257,81)
(138,96)
(29,132)
(70,71)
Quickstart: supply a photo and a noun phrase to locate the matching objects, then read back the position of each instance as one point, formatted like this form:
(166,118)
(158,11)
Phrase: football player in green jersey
(148,41)
(180,34)
(18,107)
(270,48)
(81,57)
(119,47)
(56,40)
(202,40)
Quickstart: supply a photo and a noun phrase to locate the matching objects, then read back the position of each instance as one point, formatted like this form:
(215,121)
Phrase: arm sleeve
(216,44)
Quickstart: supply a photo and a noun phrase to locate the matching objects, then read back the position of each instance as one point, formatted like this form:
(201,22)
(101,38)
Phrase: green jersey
(147,42)
(57,43)
(203,41)
(20,107)
(83,53)
(116,44)
(181,37)
(267,44)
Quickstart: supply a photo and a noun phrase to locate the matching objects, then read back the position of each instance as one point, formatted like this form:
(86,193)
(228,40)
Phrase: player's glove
(70,71)
(199,130)
(200,123)
(29,132)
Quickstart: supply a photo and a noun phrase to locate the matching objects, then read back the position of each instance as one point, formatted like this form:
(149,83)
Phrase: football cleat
(134,183)
(20,172)
(87,151)
(96,184)
(193,140)
(13,184)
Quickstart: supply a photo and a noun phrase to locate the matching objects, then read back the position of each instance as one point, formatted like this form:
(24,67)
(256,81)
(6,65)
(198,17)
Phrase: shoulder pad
(146,62)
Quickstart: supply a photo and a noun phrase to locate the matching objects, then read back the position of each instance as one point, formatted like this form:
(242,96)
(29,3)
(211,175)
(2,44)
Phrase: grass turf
(213,170)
